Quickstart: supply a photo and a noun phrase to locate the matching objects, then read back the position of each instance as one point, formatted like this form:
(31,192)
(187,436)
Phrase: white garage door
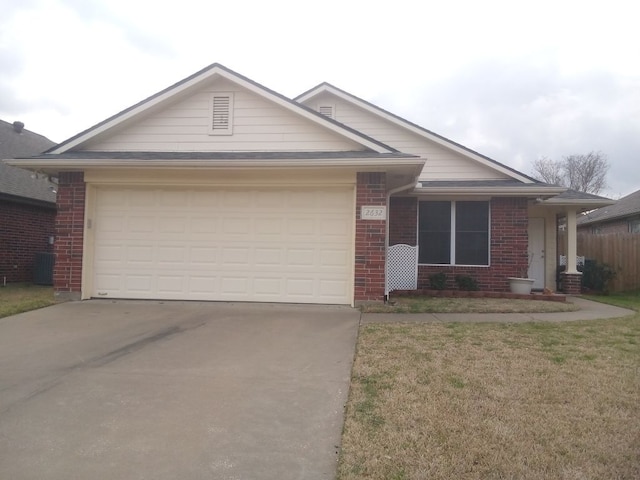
(263,245)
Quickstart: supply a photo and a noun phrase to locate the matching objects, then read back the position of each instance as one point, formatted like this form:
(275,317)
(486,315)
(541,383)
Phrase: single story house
(621,217)
(27,205)
(218,188)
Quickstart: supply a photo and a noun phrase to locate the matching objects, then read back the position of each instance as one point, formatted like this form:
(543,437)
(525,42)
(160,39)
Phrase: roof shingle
(15,181)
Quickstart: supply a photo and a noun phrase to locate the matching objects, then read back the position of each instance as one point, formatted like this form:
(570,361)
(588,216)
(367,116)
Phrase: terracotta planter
(521,286)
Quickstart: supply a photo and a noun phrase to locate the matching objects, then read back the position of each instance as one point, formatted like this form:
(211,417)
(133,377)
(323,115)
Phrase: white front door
(536,251)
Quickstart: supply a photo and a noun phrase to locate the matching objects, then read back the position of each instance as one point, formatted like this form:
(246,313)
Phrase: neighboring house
(27,205)
(621,217)
(218,188)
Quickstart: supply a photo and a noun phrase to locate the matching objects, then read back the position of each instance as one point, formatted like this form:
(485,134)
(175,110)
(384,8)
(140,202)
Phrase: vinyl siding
(258,125)
(442,163)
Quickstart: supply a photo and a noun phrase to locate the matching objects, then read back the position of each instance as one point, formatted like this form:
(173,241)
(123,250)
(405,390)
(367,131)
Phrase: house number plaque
(375,212)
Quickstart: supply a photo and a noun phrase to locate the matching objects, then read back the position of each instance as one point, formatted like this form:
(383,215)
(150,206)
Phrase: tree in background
(585,173)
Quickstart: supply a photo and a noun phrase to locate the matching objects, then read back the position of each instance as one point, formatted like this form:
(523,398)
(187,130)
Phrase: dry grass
(495,401)
(468,305)
(18,298)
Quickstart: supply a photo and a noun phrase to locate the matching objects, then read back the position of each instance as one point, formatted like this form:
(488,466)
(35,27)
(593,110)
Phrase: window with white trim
(634,226)
(221,114)
(453,232)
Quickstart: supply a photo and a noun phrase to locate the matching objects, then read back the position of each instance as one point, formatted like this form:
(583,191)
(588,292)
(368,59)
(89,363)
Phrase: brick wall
(403,220)
(572,283)
(370,240)
(24,231)
(509,241)
(67,275)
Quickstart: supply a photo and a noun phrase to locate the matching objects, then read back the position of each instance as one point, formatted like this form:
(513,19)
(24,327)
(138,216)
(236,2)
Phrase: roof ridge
(415,125)
(201,72)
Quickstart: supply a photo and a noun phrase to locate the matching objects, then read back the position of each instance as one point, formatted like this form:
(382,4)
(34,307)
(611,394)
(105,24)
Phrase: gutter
(493,191)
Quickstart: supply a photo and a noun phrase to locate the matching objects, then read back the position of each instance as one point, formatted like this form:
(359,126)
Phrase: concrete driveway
(151,390)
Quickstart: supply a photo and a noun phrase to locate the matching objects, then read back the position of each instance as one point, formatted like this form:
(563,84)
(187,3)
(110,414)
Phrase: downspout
(408,186)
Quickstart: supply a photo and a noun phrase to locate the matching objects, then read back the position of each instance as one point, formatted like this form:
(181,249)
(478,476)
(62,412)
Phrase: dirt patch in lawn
(18,298)
(495,401)
(467,305)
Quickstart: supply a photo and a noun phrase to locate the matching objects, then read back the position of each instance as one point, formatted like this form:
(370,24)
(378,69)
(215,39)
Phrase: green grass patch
(21,297)
(468,305)
(630,300)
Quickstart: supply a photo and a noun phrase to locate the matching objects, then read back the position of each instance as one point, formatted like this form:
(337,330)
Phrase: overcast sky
(513,80)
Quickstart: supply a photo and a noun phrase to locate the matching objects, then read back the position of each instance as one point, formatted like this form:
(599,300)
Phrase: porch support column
(572,277)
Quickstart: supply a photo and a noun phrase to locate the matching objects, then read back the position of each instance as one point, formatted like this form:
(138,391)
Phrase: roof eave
(438,139)
(579,203)
(409,166)
(193,82)
(519,191)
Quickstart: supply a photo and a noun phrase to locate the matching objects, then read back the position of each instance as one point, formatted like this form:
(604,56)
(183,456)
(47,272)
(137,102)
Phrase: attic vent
(221,114)
(326,110)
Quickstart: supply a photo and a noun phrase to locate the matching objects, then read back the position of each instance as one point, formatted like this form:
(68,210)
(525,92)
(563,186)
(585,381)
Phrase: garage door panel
(205,256)
(260,245)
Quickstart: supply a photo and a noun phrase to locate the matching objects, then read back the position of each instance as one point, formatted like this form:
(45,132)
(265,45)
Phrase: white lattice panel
(579,260)
(402,267)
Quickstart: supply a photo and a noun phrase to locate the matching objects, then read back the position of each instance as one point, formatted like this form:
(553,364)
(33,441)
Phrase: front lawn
(495,401)
(467,305)
(22,297)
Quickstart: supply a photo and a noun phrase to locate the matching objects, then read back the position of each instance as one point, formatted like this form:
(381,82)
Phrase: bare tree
(587,173)
(582,172)
(548,171)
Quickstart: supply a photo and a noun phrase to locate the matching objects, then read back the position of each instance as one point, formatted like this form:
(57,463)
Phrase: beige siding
(442,163)
(259,125)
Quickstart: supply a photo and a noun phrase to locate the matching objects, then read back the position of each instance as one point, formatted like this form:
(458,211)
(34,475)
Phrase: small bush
(596,276)
(465,282)
(438,281)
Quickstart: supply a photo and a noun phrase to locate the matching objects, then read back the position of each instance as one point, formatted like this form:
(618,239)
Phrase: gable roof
(625,207)
(190,84)
(406,124)
(16,183)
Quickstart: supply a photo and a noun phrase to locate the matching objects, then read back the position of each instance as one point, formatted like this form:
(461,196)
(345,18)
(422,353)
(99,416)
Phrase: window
(634,226)
(221,114)
(454,233)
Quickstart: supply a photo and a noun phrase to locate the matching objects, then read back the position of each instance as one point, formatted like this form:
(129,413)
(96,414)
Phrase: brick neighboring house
(27,205)
(621,217)
(218,188)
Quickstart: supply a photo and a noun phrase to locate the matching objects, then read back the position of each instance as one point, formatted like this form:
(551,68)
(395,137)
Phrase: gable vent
(326,110)
(221,114)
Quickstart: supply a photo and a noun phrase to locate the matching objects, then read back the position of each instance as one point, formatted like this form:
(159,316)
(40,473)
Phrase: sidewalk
(589,310)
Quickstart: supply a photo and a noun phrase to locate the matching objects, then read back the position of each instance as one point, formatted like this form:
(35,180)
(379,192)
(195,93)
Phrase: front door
(536,251)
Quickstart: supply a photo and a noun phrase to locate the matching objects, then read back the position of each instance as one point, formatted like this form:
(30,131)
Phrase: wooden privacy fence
(619,250)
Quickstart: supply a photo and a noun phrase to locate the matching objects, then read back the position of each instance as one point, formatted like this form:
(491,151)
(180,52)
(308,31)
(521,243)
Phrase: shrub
(465,282)
(596,276)
(438,281)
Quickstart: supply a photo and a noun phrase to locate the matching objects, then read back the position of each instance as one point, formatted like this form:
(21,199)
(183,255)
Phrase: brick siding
(67,275)
(370,240)
(572,283)
(403,221)
(24,231)
(509,241)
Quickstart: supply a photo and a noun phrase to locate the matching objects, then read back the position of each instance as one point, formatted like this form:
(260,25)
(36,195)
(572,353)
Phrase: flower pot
(521,285)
